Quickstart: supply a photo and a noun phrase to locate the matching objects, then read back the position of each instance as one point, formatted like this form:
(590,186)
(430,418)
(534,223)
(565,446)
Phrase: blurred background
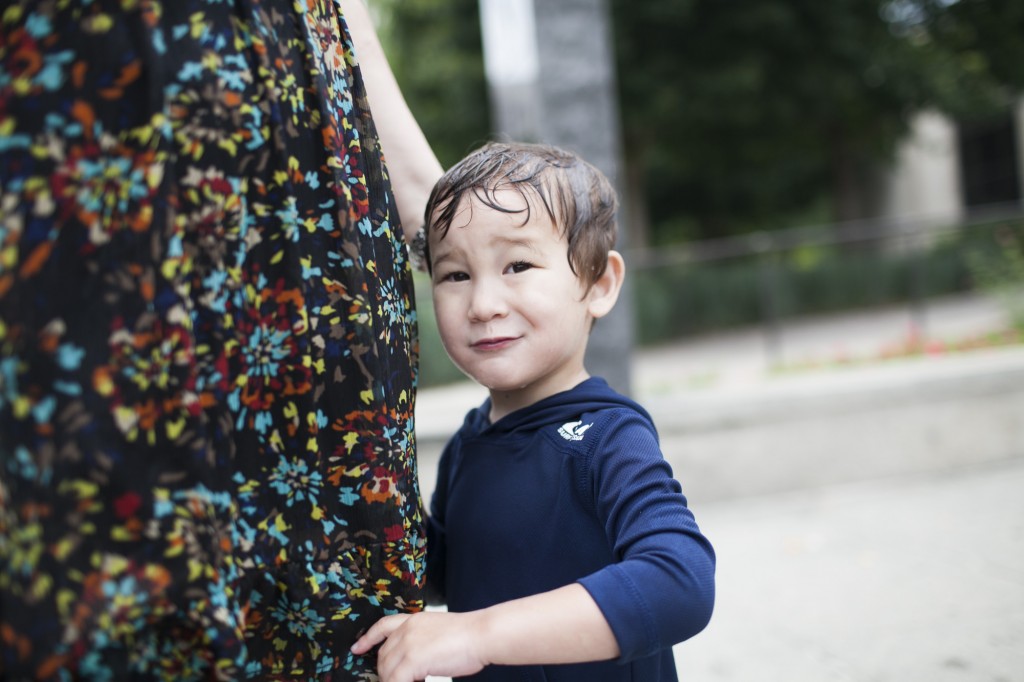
(823,224)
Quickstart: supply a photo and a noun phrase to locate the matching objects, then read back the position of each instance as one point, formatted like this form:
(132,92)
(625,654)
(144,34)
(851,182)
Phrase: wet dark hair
(578,198)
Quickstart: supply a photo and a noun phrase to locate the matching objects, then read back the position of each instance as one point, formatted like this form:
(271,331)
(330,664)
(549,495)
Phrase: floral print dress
(207,346)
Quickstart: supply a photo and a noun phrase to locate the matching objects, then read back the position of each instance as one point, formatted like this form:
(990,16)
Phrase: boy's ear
(605,291)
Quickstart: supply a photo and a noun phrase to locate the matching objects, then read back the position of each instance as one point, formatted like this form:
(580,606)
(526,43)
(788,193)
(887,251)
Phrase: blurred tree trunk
(634,209)
(857,185)
(846,191)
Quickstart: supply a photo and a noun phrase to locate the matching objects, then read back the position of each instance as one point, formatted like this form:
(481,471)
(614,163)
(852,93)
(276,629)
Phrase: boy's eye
(519,266)
(455,276)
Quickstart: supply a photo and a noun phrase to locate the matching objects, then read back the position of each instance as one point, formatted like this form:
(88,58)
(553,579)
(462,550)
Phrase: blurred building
(945,169)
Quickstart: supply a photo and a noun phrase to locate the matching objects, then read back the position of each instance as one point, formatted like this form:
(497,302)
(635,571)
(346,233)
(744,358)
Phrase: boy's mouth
(493,343)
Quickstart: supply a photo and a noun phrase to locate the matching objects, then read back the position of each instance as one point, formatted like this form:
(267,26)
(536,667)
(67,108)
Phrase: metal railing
(912,240)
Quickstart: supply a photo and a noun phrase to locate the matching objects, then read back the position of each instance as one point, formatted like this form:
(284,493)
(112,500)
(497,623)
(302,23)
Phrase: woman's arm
(561,626)
(412,165)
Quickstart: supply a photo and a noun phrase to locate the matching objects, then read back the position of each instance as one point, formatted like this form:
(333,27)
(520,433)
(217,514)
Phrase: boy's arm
(660,591)
(412,165)
(561,626)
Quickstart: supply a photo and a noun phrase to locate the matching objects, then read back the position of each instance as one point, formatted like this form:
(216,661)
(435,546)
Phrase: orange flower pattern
(207,346)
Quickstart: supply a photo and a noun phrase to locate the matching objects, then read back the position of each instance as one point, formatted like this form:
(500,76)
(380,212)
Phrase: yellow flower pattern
(207,346)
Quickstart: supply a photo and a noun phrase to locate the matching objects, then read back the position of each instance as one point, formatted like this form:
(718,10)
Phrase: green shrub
(681,300)
(999,270)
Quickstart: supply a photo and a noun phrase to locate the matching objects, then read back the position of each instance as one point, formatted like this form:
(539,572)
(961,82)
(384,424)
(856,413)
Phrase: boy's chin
(500,386)
(491,382)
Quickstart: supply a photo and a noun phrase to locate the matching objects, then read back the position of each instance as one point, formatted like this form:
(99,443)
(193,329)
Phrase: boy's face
(511,313)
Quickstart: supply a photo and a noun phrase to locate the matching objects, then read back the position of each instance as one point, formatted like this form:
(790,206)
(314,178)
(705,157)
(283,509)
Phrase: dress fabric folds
(207,346)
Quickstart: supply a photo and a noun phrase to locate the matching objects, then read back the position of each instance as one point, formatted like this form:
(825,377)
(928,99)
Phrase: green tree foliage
(434,48)
(744,115)
(741,116)
(986,36)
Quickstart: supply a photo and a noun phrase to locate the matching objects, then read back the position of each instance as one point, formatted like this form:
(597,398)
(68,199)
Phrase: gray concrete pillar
(551,69)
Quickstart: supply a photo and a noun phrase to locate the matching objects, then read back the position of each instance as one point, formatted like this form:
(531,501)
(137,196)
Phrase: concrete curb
(841,391)
(912,417)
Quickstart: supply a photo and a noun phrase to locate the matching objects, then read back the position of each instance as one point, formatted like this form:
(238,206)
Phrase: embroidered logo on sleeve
(573,430)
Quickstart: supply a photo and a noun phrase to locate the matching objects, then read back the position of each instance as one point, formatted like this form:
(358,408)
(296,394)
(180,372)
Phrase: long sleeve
(660,591)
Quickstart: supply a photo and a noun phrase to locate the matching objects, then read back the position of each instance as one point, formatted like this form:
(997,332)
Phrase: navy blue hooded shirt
(572,489)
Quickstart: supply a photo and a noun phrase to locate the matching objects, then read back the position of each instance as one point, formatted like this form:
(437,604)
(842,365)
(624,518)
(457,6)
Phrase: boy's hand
(561,626)
(429,643)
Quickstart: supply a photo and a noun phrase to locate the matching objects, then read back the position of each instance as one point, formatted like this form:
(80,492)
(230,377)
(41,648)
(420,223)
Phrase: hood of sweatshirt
(590,395)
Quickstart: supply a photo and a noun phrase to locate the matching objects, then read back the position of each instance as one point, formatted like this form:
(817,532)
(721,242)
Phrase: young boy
(558,537)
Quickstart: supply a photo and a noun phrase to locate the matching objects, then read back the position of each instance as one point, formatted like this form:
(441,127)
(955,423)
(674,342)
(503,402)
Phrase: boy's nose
(487,302)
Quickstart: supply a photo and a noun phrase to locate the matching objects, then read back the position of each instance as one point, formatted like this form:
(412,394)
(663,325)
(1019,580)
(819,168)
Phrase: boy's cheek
(443,315)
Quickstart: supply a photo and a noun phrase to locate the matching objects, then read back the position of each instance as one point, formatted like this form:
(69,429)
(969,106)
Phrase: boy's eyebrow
(437,259)
(512,241)
(439,256)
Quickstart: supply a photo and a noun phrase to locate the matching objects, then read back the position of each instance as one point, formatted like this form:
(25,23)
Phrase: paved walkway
(913,579)
(910,578)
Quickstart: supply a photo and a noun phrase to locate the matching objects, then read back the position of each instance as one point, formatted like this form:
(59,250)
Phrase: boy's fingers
(380,631)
